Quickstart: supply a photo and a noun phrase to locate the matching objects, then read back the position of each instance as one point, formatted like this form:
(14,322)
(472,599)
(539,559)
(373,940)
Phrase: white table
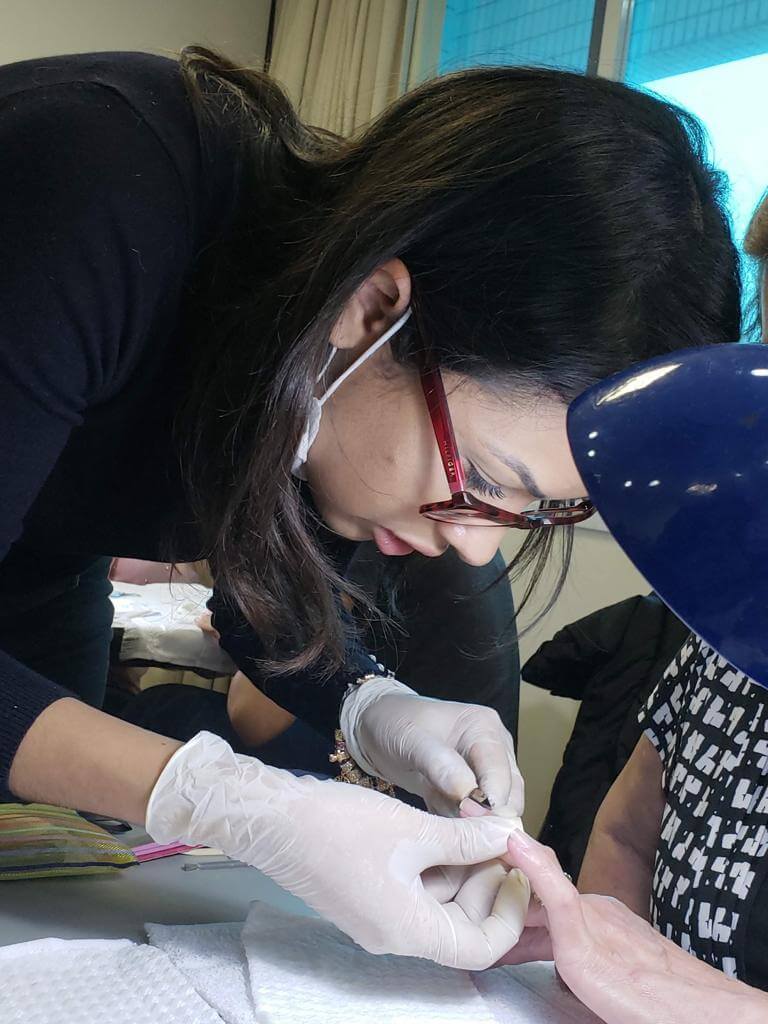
(118,905)
(115,906)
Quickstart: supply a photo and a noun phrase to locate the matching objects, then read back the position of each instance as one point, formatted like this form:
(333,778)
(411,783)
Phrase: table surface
(116,906)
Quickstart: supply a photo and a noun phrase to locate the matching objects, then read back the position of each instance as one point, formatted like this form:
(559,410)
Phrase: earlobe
(379,301)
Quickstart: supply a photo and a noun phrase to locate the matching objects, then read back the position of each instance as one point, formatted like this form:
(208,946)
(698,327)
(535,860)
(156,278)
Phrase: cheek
(375,460)
(371,447)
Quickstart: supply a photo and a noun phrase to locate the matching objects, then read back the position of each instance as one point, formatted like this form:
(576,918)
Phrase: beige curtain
(343,61)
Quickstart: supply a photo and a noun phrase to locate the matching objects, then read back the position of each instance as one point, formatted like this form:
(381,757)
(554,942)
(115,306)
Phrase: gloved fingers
(479,889)
(471,809)
(476,946)
(442,767)
(442,883)
(438,803)
(512,902)
(504,925)
(492,760)
(455,841)
(411,782)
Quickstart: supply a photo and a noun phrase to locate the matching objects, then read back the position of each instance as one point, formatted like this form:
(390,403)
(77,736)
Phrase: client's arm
(622,846)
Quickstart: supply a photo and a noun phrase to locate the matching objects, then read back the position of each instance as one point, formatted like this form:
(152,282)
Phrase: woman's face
(375,459)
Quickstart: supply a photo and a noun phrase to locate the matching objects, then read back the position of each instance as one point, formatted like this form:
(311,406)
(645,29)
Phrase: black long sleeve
(109,191)
(96,207)
(316,701)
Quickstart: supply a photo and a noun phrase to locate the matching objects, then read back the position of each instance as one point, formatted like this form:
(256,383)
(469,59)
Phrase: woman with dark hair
(265,329)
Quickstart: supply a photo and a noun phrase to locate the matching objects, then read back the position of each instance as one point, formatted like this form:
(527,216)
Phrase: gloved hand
(476,888)
(439,749)
(355,856)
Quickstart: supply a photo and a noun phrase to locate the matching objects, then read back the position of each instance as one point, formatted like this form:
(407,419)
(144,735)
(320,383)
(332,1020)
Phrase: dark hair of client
(557,228)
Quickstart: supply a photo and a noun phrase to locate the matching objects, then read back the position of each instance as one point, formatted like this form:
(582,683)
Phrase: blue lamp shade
(674,454)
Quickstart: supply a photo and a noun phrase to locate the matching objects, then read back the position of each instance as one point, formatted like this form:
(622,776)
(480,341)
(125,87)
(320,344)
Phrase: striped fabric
(40,841)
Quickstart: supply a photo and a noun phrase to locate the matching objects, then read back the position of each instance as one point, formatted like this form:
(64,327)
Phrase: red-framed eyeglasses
(463,507)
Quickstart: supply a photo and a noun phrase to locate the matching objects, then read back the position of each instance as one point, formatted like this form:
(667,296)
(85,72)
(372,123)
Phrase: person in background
(290,343)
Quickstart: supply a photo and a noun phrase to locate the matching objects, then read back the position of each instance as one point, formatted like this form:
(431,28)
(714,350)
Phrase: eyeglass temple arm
(437,403)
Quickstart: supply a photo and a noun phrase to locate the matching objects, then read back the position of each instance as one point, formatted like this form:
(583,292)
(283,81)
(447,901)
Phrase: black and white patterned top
(709,725)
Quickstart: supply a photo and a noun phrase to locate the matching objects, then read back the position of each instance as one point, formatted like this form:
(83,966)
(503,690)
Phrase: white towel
(61,981)
(304,971)
(530,994)
(287,969)
(213,959)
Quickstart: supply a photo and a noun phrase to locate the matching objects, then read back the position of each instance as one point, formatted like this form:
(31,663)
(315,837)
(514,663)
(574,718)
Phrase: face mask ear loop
(326,365)
(389,333)
(316,406)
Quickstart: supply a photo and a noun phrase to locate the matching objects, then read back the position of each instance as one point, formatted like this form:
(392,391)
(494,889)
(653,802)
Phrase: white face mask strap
(389,333)
(326,365)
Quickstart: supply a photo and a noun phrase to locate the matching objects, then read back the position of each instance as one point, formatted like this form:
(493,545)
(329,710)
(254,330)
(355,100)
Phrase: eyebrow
(523,472)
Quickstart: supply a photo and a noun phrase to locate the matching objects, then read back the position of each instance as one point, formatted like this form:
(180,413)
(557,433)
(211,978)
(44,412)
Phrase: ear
(379,301)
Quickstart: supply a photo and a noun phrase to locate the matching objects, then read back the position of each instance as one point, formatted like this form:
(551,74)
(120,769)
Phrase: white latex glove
(355,856)
(439,749)
(476,889)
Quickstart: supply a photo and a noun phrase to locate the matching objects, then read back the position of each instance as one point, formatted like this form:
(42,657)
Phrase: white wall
(600,575)
(37,28)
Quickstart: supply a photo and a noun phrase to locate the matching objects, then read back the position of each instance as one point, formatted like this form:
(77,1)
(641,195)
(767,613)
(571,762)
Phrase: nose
(475,545)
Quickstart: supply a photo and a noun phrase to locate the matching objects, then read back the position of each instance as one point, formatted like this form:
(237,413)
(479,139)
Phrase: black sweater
(107,196)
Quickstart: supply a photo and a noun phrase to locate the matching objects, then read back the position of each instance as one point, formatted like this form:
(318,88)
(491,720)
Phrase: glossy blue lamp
(674,455)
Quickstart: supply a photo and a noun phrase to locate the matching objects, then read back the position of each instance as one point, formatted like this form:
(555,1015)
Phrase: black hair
(557,228)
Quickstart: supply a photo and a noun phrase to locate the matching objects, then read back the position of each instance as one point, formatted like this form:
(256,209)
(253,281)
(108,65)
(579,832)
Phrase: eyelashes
(476,482)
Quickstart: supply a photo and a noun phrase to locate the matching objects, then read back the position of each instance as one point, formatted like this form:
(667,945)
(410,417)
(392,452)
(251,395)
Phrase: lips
(389,543)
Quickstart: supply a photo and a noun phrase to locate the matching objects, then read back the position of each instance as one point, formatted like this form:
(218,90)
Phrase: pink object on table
(154,851)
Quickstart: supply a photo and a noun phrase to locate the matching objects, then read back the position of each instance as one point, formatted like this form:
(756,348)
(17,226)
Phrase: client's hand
(361,859)
(617,964)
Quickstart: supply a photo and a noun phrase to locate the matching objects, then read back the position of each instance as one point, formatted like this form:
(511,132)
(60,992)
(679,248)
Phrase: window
(555,33)
(708,56)
(711,57)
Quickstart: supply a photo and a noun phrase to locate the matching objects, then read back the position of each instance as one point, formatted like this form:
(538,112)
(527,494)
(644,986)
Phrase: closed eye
(478,483)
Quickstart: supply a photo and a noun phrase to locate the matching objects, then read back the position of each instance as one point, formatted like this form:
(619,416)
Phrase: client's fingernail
(469,809)
(520,840)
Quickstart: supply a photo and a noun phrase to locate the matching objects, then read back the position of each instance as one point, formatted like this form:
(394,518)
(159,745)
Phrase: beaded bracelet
(349,770)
